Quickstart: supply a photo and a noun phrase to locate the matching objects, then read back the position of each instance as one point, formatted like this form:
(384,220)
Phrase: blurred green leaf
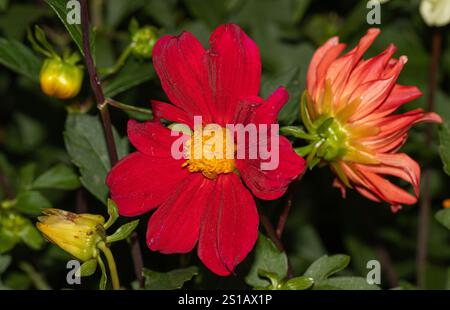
(171,280)
(88,268)
(290,80)
(117,10)
(163,12)
(60,8)
(17,281)
(3,5)
(123,232)
(444,148)
(212,12)
(26,13)
(7,242)
(31,202)
(298,283)
(19,58)
(132,74)
(443,217)
(345,283)
(31,236)
(326,266)
(86,145)
(26,175)
(58,177)
(5,261)
(360,252)
(15,228)
(24,134)
(269,259)
(299,9)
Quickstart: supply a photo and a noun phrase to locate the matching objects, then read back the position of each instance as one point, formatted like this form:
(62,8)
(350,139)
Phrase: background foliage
(50,159)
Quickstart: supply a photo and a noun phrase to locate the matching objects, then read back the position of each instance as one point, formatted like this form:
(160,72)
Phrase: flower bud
(435,12)
(77,234)
(446,203)
(143,41)
(60,79)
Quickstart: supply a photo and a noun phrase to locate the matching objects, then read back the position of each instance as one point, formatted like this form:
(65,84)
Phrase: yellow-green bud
(143,41)
(77,234)
(60,79)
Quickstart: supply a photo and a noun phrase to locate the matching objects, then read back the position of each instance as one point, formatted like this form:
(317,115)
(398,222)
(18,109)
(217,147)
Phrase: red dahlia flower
(203,200)
(347,111)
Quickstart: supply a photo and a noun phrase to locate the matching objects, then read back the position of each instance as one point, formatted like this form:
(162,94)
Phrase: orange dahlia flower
(347,111)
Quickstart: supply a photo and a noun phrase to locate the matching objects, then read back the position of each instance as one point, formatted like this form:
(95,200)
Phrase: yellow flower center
(210,151)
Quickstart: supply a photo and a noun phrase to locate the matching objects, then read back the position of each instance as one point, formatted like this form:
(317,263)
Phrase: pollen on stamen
(210,152)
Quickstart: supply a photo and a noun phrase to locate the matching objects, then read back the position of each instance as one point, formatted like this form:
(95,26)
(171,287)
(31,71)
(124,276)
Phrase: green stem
(106,72)
(127,107)
(111,264)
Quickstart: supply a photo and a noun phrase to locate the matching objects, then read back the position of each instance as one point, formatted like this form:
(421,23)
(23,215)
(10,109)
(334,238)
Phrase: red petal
(272,184)
(235,70)
(171,113)
(139,183)
(230,228)
(181,65)
(267,112)
(175,226)
(152,138)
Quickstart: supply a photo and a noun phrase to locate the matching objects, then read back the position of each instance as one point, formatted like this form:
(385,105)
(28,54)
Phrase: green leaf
(58,177)
(326,266)
(443,217)
(31,236)
(19,58)
(7,242)
(24,134)
(345,283)
(60,8)
(3,5)
(31,202)
(134,73)
(298,283)
(290,80)
(25,13)
(5,261)
(171,280)
(26,176)
(88,268)
(444,148)
(212,12)
(269,259)
(123,232)
(113,213)
(86,146)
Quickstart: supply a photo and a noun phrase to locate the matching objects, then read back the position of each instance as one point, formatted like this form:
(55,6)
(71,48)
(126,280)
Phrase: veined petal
(234,70)
(229,229)
(321,55)
(167,111)
(340,70)
(181,65)
(175,225)
(272,184)
(152,138)
(139,183)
